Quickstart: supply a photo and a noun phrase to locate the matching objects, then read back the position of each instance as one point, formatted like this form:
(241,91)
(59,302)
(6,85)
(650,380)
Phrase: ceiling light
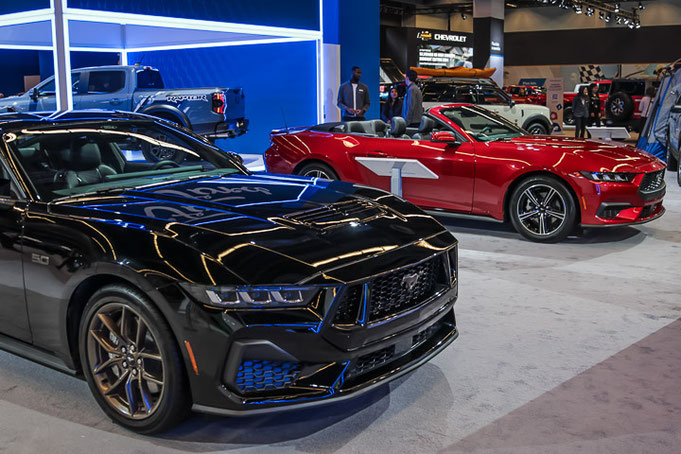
(608,17)
(617,7)
(601,16)
(641,6)
(463,16)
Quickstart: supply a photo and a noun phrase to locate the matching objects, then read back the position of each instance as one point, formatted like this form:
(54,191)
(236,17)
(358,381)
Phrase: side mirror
(34,94)
(511,103)
(445,137)
(236,157)
(676,108)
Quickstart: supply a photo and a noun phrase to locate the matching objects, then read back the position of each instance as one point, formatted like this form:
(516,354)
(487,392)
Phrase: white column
(62,57)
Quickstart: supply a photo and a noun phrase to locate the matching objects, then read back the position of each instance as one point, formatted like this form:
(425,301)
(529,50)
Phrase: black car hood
(236,220)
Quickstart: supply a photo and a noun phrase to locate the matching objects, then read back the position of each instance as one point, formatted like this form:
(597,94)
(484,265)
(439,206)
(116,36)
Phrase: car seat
(380,128)
(398,127)
(425,128)
(83,165)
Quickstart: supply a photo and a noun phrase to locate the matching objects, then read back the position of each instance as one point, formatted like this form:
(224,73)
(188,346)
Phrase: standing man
(353,97)
(412,107)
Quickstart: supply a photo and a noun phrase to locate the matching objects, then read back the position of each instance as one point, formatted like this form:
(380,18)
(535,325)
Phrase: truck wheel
(542,209)
(156,151)
(619,106)
(537,128)
(568,118)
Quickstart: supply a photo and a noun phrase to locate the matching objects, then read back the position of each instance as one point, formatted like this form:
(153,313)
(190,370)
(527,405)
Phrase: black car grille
(337,214)
(392,293)
(371,361)
(652,181)
(261,375)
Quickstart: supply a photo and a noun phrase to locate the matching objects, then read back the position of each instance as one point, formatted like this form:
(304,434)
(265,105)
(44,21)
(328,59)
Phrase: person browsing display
(353,97)
(580,110)
(392,107)
(412,107)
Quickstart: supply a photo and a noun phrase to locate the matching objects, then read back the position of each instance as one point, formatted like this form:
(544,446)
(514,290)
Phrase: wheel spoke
(130,394)
(527,215)
(153,356)
(104,343)
(106,364)
(552,192)
(556,214)
(141,332)
(111,326)
(532,198)
(122,323)
(150,378)
(542,224)
(143,395)
(117,383)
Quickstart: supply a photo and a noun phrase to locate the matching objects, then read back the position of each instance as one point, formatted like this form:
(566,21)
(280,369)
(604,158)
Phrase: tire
(568,118)
(678,174)
(155,153)
(619,106)
(672,162)
(548,199)
(537,128)
(318,170)
(141,384)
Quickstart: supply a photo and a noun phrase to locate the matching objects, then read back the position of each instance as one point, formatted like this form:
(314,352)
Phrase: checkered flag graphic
(590,73)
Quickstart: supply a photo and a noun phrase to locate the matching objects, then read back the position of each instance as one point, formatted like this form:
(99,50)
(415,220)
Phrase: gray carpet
(564,348)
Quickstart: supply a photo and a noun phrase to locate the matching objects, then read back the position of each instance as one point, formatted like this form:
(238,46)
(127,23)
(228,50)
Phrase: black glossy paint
(229,230)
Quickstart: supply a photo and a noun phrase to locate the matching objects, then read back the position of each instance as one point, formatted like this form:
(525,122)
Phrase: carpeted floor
(567,348)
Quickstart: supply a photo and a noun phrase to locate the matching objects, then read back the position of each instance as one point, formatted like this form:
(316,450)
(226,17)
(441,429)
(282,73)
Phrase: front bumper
(252,363)
(618,204)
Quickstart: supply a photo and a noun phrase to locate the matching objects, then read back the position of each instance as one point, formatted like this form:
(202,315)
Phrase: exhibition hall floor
(565,348)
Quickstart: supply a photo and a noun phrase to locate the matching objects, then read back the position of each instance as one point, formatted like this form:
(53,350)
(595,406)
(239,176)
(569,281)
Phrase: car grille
(392,293)
(371,361)
(652,181)
(261,375)
(339,213)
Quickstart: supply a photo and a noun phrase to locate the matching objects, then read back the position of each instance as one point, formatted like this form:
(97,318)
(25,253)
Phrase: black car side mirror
(676,108)
(236,157)
(445,137)
(34,94)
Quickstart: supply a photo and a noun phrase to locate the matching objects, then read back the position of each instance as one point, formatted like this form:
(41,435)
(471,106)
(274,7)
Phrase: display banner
(554,101)
(441,48)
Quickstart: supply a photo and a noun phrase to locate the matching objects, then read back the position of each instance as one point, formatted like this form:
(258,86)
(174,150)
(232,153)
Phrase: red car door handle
(377,154)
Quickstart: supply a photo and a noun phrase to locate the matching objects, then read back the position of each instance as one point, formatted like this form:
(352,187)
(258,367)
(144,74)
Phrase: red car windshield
(482,124)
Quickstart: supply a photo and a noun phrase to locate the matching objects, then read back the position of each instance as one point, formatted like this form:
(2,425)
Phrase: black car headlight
(609,177)
(254,297)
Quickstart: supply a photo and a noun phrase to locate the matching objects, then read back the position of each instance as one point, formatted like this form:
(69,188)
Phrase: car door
(13,312)
(104,90)
(453,165)
(47,99)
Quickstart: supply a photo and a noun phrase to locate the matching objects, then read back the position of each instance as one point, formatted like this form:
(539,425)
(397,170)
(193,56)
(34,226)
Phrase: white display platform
(609,132)
(397,169)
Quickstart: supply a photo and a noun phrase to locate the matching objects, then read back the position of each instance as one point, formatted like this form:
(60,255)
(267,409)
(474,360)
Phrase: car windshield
(482,124)
(76,158)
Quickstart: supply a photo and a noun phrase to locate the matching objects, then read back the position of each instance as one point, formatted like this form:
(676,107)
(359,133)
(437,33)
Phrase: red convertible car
(485,166)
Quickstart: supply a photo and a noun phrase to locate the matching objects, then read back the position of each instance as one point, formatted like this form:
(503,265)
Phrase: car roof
(14,120)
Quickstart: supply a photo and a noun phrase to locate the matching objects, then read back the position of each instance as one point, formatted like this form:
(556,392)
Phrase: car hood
(234,219)
(588,155)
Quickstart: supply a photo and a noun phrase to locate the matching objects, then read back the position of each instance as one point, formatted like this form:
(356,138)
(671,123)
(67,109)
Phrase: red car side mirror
(445,137)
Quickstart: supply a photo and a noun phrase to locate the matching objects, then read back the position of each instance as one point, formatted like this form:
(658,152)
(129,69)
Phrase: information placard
(554,101)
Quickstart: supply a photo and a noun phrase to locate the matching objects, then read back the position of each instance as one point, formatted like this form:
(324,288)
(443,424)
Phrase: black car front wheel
(318,170)
(131,362)
(542,209)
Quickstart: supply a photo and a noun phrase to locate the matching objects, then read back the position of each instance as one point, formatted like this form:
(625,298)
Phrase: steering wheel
(164,163)
(485,130)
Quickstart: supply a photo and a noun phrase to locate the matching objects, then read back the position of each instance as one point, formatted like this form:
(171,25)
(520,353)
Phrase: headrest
(379,127)
(427,124)
(398,126)
(356,126)
(82,156)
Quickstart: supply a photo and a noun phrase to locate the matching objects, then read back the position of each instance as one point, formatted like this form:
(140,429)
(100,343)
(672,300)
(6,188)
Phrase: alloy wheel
(317,173)
(617,106)
(125,361)
(541,209)
(536,130)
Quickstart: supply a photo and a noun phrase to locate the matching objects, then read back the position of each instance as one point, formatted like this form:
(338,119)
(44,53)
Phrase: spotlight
(631,25)
(640,6)
(638,25)
(578,9)
(608,17)
(601,16)
(463,16)
(618,19)
(617,7)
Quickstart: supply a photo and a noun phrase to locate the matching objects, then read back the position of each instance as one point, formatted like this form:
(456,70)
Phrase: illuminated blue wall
(274,77)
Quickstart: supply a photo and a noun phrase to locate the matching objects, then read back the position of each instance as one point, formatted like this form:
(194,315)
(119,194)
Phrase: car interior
(377,128)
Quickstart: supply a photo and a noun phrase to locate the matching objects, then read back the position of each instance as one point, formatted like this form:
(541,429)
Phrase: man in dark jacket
(412,107)
(353,97)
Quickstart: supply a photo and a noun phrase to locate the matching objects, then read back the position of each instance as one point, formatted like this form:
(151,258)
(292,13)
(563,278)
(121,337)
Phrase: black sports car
(200,285)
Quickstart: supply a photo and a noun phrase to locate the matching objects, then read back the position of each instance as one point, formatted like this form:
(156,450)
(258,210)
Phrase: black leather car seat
(356,127)
(380,128)
(398,128)
(83,165)
(425,128)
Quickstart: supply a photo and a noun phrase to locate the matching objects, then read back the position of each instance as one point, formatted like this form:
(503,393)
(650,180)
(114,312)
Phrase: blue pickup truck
(212,112)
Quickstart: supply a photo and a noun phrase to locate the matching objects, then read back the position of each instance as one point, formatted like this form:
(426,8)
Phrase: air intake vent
(259,375)
(338,214)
